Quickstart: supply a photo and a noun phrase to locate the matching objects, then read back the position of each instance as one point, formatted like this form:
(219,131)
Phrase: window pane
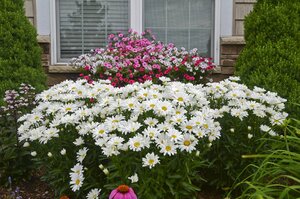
(155,13)
(201,13)
(85,24)
(178,13)
(203,45)
(187,23)
(179,37)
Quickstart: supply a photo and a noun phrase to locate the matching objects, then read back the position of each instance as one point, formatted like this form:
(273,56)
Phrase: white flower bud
(105,171)
(26,144)
(63,151)
(49,154)
(101,166)
(33,153)
(250,135)
(232,130)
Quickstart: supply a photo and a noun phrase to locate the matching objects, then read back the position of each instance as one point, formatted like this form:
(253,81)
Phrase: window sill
(62,69)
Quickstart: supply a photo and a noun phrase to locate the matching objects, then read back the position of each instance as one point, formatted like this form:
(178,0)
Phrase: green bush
(271,58)
(20,54)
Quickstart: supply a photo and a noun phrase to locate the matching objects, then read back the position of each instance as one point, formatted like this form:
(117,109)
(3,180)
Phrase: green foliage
(225,155)
(278,176)
(271,58)
(15,161)
(20,54)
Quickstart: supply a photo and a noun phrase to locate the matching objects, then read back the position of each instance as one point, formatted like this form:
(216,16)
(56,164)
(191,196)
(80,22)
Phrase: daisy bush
(138,58)
(154,138)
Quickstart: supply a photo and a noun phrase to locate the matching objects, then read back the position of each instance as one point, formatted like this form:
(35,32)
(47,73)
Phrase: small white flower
(168,148)
(93,194)
(134,178)
(250,135)
(249,128)
(81,154)
(150,160)
(79,141)
(33,153)
(265,128)
(63,151)
(76,181)
(49,154)
(232,130)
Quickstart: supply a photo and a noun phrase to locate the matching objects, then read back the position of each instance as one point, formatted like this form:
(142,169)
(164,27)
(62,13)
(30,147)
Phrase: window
(186,23)
(81,25)
(85,24)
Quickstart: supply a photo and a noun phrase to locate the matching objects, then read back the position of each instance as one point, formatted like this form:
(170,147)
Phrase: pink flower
(123,192)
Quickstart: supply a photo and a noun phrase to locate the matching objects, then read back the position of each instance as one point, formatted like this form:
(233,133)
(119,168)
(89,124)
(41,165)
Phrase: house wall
(231,46)
(230,19)
(30,10)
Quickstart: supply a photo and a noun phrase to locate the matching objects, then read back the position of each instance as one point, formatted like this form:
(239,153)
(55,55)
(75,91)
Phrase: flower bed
(137,58)
(96,136)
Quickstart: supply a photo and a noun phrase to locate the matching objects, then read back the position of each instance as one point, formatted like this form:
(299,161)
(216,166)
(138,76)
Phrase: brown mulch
(32,189)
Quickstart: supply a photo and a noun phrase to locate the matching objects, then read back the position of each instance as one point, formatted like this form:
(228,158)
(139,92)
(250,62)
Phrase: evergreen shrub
(20,54)
(271,57)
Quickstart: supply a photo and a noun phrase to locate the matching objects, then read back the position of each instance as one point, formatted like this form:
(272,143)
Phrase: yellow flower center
(137,144)
(168,148)
(187,143)
(131,105)
(180,99)
(77,182)
(152,105)
(189,127)
(101,131)
(151,134)
(178,112)
(164,108)
(174,136)
(205,126)
(68,109)
(151,161)
(116,121)
(79,92)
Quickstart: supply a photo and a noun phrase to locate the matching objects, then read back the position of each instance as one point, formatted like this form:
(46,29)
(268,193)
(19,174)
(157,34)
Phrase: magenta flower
(122,192)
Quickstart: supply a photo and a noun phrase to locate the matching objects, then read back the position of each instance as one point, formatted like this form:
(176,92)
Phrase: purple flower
(123,192)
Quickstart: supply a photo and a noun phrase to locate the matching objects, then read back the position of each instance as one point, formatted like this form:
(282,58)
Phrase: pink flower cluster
(137,58)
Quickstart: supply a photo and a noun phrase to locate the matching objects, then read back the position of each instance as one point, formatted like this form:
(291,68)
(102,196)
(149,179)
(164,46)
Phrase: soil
(32,189)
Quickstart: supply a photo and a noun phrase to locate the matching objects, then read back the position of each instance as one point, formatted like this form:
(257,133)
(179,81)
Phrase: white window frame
(136,23)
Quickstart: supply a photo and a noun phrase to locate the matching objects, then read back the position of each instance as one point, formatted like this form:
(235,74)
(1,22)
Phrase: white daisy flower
(79,141)
(151,121)
(93,194)
(81,154)
(150,160)
(134,178)
(188,143)
(168,148)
